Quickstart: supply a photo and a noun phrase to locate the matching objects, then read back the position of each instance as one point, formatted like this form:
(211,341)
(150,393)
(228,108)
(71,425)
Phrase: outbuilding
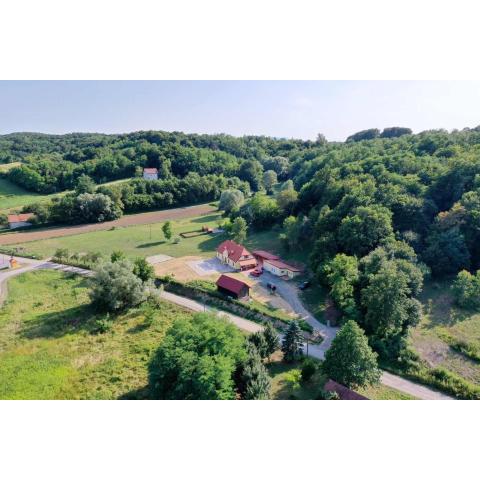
(262,255)
(233,287)
(20,220)
(281,269)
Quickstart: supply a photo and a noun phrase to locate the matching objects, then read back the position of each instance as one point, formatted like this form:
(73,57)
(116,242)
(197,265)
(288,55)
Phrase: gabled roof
(150,170)
(234,250)
(343,392)
(284,266)
(231,284)
(266,255)
(21,217)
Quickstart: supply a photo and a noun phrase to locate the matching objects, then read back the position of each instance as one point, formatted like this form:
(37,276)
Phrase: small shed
(233,287)
(20,220)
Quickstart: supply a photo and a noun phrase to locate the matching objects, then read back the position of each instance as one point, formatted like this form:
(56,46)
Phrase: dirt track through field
(128,220)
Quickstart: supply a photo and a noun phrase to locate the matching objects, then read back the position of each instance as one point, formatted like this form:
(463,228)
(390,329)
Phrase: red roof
(343,392)
(231,284)
(21,217)
(150,170)
(265,255)
(283,265)
(234,251)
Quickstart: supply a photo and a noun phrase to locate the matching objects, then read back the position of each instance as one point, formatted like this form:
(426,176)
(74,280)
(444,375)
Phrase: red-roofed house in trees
(235,255)
(150,174)
(233,286)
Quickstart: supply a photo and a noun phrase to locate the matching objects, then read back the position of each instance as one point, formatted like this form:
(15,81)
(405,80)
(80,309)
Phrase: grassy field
(442,326)
(136,241)
(314,299)
(48,348)
(12,196)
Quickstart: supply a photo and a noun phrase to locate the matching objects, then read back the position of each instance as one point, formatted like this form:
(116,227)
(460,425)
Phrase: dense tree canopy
(197,360)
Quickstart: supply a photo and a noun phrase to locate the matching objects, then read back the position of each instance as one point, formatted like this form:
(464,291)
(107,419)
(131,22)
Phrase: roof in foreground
(343,392)
(231,284)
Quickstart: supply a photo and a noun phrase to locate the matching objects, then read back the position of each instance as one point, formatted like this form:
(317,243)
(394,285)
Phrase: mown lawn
(442,325)
(49,348)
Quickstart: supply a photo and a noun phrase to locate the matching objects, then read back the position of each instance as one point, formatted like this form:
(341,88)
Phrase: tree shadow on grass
(151,244)
(206,218)
(212,243)
(61,323)
(142,393)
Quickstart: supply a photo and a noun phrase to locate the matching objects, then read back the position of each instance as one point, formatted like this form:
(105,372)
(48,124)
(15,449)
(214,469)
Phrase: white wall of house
(150,176)
(280,272)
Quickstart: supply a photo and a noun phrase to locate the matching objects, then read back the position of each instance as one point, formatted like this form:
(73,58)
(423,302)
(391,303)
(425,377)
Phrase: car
(257,272)
(304,285)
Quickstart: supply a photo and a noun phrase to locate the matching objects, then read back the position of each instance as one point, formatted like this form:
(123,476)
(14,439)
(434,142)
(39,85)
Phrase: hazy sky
(277,108)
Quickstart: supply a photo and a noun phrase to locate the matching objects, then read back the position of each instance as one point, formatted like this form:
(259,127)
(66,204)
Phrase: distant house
(233,287)
(20,220)
(150,173)
(343,392)
(281,269)
(262,255)
(235,255)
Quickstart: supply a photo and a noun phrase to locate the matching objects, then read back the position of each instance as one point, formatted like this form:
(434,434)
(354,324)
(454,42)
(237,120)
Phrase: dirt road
(127,220)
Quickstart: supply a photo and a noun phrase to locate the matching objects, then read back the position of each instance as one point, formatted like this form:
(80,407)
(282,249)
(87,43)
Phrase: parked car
(304,285)
(257,272)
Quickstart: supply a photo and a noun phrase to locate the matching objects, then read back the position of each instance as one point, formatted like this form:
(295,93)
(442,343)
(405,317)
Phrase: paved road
(290,293)
(240,322)
(127,220)
(418,391)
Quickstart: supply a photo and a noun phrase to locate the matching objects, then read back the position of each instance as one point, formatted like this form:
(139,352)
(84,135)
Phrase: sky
(290,109)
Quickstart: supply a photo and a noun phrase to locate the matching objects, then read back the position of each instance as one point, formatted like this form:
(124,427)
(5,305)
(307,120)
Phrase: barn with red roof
(233,287)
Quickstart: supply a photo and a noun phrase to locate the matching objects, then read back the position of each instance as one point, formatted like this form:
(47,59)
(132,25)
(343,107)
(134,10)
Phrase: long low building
(281,269)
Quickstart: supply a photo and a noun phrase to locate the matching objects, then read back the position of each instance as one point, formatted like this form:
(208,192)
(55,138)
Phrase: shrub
(309,367)
(115,287)
(466,289)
